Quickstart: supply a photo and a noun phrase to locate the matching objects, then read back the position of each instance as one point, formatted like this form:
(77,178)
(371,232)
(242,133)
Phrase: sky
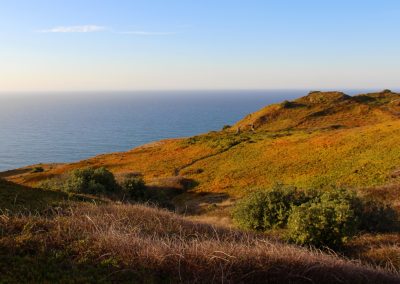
(93,45)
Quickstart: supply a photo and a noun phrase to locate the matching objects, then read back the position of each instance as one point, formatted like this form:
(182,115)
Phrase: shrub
(328,220)
(91,181)
(226,127)
(268,209)
(376,216)
(134,187)
(287,104)
(54,184)
(37,170)
(320,218)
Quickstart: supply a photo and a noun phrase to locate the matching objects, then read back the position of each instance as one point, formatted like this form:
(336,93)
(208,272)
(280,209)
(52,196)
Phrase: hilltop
(324,110)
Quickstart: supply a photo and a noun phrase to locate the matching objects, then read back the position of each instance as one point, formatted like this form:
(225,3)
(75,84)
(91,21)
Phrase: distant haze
(79,45)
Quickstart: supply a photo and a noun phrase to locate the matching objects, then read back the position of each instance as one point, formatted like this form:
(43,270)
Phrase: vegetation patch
(320,218)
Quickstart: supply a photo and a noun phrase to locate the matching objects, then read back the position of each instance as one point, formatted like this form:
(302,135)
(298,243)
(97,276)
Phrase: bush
(264,210)
(328,220)
(319,218)
(378,217)
(134,187)
(287,104)
(54,184)
(91,181)
(37,170)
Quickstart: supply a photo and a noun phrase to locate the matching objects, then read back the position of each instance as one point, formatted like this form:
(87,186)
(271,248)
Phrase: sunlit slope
(354,157)
(320,139)
(325,109)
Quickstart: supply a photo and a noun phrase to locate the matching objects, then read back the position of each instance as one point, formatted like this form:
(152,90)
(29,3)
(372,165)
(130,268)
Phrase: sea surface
(66,127)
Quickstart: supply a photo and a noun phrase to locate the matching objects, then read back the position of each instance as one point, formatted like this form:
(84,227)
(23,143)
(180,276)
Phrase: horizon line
(35,92)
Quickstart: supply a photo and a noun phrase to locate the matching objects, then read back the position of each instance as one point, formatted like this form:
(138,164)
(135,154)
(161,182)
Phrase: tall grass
(129,243)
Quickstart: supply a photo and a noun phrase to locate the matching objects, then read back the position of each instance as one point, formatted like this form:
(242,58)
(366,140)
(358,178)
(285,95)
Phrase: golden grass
(377,249)
(363,152)
(117,242)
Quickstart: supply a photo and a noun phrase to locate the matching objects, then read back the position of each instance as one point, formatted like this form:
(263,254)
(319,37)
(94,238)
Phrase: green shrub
(37,170)
(328,220)
(134,187)
(267,209)
(287,104)
(91,181)
(54,184)
(315,217)
(376,216)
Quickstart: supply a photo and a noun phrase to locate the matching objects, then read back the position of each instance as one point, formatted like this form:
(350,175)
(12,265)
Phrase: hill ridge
(324,109)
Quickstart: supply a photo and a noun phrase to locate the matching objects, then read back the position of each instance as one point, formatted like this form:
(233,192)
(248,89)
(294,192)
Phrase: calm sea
(44,128)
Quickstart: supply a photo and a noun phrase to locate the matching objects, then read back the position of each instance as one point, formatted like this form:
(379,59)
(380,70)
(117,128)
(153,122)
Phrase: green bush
(91,181)
(37,170)
(134,187)
(54,184)
(328,220)
(267,209)
(376,216)
(321,218)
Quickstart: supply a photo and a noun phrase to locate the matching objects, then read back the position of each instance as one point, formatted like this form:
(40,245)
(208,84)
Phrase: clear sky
(48,45)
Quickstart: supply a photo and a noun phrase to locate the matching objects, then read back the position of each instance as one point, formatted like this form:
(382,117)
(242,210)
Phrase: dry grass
(377,249)
(119,242)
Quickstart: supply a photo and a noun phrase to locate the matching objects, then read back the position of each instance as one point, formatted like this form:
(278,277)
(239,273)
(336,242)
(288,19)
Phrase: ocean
(66,127)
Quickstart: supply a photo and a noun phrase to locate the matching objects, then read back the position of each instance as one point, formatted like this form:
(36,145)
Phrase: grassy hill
(318,140)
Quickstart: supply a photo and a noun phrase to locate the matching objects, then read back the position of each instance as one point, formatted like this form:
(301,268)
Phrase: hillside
(318,140)
(125,243)
(14,197)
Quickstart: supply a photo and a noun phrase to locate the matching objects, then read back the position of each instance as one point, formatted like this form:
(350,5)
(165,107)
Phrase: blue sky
(198,44)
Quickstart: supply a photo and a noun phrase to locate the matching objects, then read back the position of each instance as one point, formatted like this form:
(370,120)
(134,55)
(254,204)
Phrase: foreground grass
(135,243)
